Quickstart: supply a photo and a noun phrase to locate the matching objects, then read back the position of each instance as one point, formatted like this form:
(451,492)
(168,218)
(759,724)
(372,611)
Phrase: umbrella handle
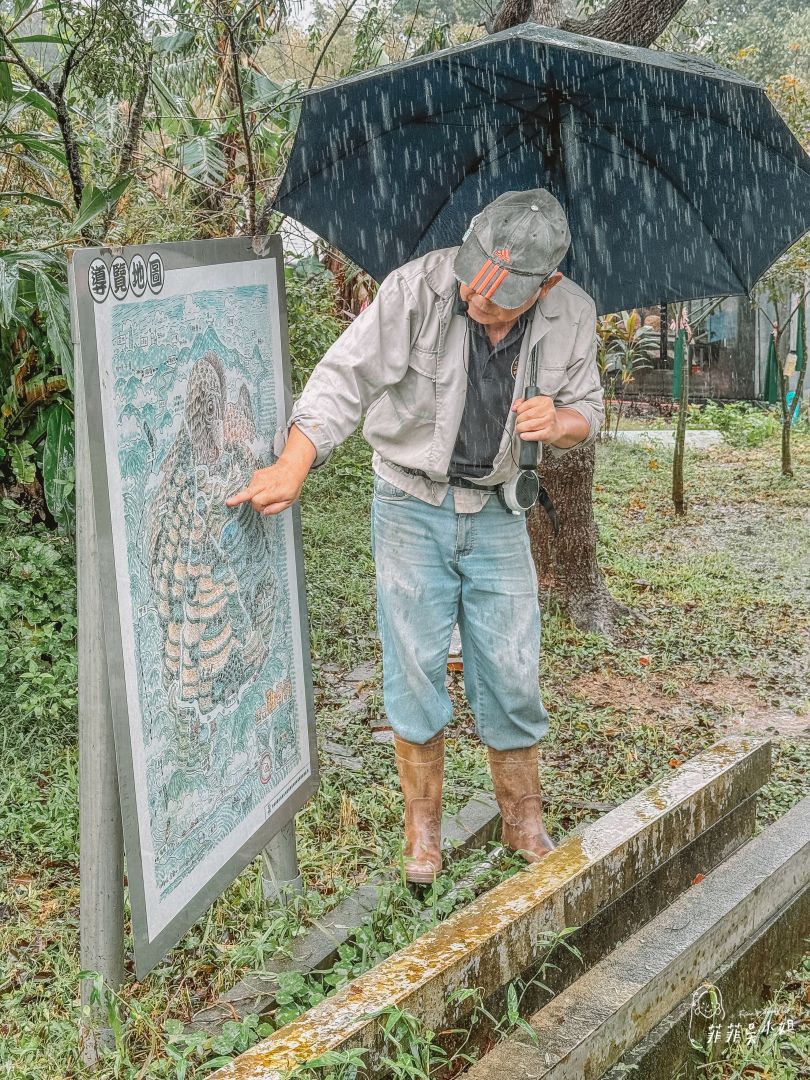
(528,448)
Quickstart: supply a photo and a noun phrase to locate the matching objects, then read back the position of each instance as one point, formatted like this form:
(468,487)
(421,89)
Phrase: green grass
(713,605)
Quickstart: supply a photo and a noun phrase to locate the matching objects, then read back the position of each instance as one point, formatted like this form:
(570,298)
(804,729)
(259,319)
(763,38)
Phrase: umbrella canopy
(679,178)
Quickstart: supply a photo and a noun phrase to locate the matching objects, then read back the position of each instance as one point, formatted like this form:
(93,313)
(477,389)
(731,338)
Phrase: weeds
(180,1049)
(413,1051)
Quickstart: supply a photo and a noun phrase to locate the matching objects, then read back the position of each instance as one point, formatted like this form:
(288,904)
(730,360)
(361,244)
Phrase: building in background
(729,353)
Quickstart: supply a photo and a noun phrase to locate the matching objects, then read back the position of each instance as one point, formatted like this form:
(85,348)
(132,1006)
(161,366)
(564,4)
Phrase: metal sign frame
(158,926)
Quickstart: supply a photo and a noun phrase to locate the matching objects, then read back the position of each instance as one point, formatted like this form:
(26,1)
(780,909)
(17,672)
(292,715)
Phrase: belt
(543,496)
(454,481)
(462,481)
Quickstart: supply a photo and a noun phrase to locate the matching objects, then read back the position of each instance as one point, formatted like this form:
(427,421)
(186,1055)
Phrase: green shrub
(311,303)
(37,624)
(742,423)
(36,383)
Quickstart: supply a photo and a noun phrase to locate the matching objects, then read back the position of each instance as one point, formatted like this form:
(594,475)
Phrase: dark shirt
(490,391)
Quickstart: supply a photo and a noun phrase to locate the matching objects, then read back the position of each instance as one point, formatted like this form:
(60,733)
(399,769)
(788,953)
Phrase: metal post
(663,335)
(280,864)
(100,834)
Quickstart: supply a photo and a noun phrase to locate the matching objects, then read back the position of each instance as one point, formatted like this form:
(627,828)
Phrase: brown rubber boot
(516,780)
(421,773)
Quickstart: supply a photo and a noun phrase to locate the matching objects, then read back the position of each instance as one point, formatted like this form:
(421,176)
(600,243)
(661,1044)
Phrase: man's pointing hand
(273,489)
(270,490)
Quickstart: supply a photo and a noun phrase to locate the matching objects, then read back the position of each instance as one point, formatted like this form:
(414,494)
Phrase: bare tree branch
(127,157)
(135,123)
(329,40)
(36,80)
(54,94)
(250,178)
(71,150)
(76,52)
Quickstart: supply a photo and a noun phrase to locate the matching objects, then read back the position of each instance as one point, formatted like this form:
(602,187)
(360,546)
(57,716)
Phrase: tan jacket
(403,362)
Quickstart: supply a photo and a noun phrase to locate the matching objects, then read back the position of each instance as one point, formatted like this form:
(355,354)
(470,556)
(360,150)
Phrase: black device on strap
(521,492)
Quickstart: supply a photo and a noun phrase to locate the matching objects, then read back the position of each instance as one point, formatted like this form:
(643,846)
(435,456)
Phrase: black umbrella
(679,178)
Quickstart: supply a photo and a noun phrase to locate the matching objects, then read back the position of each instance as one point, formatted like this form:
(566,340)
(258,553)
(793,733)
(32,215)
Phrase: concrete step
(726,1007)
(585,1029)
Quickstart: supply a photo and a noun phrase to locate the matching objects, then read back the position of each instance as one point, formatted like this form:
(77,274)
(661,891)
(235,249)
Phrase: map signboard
(185,368)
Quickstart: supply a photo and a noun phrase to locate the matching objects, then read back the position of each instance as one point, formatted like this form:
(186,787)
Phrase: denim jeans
(436,567)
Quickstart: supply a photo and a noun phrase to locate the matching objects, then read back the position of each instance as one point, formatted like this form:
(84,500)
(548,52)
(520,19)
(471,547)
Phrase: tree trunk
(787,461)
(566,565)
(801,364)
(678,498)
(632,22)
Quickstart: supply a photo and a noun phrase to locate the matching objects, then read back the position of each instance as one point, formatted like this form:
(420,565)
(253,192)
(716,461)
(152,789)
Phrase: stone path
(695,440)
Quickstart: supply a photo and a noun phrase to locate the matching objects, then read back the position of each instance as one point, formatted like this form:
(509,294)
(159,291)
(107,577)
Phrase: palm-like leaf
(203,159)
(9,284)
(52,302)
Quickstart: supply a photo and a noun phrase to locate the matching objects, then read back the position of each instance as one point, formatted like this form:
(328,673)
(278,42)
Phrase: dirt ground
(748,711)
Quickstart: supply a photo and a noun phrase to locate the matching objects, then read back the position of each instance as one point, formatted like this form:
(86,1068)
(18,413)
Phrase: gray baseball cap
(512,246)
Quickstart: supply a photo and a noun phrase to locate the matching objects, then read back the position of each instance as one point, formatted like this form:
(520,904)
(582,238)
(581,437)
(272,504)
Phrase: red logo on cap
(488,278)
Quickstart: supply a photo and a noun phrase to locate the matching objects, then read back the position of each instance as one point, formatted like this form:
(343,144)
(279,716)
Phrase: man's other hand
(537,419)
(270,490)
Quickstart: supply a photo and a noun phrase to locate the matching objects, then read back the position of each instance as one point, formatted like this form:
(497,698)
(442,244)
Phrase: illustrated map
(210,624)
